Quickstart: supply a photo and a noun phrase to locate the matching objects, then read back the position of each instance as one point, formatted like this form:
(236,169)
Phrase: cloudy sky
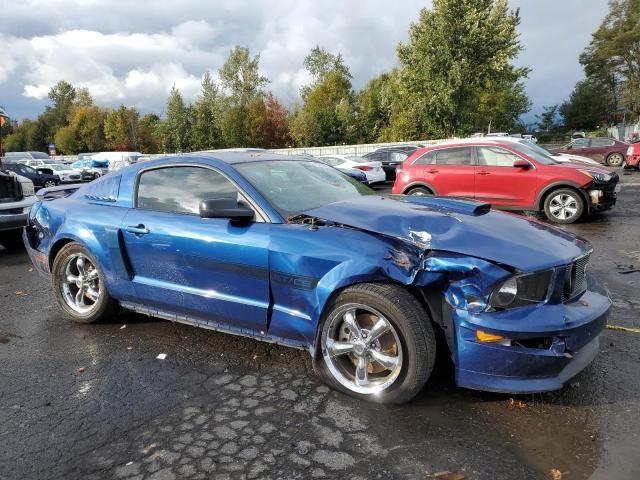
(132,51)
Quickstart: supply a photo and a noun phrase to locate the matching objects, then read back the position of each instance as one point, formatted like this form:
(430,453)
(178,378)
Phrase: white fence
(623,133)
(360,149)
(348,149)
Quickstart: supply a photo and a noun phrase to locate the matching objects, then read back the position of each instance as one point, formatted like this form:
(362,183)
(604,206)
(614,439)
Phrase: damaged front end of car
(514,321)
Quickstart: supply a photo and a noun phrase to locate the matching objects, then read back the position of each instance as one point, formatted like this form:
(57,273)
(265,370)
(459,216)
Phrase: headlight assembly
(597,176)
(521,290)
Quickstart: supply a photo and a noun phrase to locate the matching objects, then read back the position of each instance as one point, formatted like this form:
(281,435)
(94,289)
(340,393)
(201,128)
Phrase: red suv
(509,177)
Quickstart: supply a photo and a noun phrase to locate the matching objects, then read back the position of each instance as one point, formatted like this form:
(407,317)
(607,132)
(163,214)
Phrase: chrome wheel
(361,349)
(615,159)
(49,183)
(563,206)
(81,288)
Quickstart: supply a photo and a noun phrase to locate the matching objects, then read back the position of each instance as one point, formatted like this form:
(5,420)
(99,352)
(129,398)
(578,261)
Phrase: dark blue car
(289,250)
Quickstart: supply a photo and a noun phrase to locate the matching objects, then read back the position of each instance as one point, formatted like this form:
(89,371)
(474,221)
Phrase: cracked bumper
(516,368)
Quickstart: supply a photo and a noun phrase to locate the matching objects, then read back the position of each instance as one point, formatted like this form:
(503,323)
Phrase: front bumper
(603,195)
(14,215)
(550,344)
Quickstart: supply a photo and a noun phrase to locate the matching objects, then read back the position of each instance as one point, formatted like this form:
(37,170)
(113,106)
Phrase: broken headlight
(521,290)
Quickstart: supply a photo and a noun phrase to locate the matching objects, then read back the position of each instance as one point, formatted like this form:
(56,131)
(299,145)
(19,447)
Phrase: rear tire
(79,285)
(419,192)
(375,343)
(615,159)
(564,206)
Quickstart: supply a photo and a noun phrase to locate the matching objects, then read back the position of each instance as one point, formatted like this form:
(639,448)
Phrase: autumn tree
(275,127)
(149,134)
(121,129)
(84,133)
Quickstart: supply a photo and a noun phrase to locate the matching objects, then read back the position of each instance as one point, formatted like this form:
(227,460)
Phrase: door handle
(139,229)
(483,172)
(433,170)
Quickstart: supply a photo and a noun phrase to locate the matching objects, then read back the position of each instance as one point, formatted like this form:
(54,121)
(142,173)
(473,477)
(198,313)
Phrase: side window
(377,156)
(496,157)
(454,156)
(398,157)
(579,143)
(601,142)
(180,189)
(425,158)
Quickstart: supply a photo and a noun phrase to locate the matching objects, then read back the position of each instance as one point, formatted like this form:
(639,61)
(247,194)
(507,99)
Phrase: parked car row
(604,150)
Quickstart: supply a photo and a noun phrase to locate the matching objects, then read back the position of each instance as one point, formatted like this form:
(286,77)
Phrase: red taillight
(365,168)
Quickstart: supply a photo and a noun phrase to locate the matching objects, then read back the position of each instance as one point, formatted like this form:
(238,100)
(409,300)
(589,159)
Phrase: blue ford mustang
(289,250)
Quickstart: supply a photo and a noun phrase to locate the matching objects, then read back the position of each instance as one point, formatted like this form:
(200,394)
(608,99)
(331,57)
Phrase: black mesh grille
(575,278)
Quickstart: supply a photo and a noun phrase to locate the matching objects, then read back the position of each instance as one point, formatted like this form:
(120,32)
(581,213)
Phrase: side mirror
(569,147)
(521,164)
(225,208)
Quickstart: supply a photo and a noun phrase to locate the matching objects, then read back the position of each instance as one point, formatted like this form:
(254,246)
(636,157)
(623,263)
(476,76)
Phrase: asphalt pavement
(94,401)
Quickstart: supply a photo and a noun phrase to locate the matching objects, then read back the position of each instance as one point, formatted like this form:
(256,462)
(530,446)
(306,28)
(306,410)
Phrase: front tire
(79,285)
(49,184)
(376,343)
(564,206)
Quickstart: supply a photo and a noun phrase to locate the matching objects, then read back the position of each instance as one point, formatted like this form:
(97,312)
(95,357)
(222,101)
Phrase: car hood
(576,158)
(584,166)
(460,226)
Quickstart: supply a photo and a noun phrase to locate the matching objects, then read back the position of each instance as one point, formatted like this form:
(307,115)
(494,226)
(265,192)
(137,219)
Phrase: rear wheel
(376,343)
(615,159)
(419,192)
(564,206)
(79,285)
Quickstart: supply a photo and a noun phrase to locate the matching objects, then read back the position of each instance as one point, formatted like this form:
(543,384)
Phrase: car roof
(229,157)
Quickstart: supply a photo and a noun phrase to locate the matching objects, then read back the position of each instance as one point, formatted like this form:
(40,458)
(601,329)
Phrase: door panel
(452,172)
(208,268)
(498,182)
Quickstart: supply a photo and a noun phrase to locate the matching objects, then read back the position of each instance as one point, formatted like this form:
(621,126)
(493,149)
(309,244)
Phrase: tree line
(454,76)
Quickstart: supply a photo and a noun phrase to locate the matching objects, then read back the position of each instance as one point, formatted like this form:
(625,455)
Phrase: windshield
(40,155)
(292,187)
(538,153)
(56,167)
(535,146)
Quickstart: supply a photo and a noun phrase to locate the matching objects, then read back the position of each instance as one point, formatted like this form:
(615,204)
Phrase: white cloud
(133,51)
